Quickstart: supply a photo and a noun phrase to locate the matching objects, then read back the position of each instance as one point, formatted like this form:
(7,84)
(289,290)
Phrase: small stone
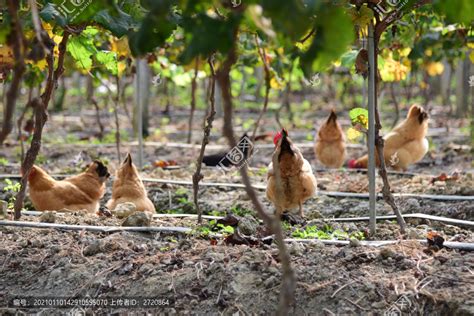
(413,205)
(270,282)
(316,244)
(93,248)
(296,249)
(386,253)
(248,225)
(124,209)
(412,233)
(407,263)
(48,217)
(354,242)
(313,214)
(140,219)
(215,256)
(140,247)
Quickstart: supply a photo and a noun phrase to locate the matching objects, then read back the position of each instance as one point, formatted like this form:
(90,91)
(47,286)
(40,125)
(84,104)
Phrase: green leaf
(205,34)
(334,33)
(155,29)
(109,60)
(349,58)
(116,21)
(81,49)
(359,116)
(291,18)
(70,12)
(456,11)
(49,13)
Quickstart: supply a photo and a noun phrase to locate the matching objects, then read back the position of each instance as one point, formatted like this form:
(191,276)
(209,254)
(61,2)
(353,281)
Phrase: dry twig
(197,176)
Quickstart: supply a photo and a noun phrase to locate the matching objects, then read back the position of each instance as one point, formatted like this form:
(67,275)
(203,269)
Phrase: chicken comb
(352,164)
(279,135)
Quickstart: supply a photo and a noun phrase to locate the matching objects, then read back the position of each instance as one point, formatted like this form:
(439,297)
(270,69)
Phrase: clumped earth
(198,277)
(201,274)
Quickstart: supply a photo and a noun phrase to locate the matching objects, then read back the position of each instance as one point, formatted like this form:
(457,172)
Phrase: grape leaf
(108,60)
(359,116)
(81,49)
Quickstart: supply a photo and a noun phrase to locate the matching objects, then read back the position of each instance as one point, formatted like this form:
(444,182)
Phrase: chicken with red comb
(298,182)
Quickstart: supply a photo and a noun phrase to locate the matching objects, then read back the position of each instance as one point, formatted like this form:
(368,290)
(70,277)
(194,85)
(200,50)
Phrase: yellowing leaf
(404,52)
(434,68)
(471,56)
(393,70)
(41,64)
(120,46)
(276,84)
(121,66)
(6,55)
(353,134)
(362,17)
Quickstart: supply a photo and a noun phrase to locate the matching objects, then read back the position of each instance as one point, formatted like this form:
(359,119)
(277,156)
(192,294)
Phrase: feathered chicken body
(297,180)
(128,187)
(406,144)
(81,192)
(330,148)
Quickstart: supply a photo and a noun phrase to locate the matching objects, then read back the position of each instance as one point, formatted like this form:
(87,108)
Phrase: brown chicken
(81,192)
(405,144)
(330,148)
(298,182)
(128,187)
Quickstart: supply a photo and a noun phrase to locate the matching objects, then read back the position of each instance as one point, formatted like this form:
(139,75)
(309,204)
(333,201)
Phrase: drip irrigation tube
(447,220)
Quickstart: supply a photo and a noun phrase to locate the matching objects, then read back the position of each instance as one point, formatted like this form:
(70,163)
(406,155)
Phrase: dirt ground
(198,275)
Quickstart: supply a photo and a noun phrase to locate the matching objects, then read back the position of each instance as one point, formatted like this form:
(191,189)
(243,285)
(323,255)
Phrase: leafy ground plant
(12,187)
(327,233)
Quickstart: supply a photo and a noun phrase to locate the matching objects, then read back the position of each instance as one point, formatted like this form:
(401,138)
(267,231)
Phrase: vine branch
(273,223)
(40,106)
(197,176)
(18,44)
